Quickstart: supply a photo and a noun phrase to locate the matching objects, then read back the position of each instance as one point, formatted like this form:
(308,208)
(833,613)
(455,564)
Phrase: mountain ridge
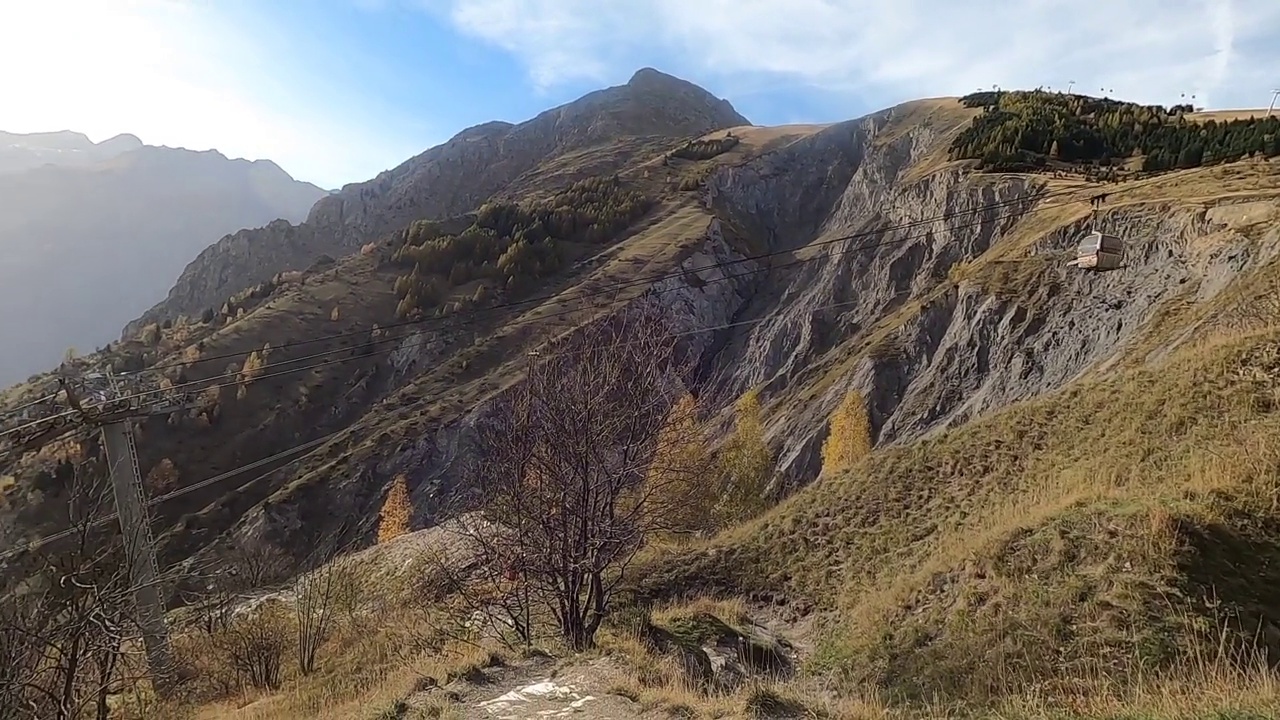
(448,179)
(114,221)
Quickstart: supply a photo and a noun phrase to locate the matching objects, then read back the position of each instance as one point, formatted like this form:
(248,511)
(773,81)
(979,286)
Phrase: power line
(633,282)
(35,544)
(321,440)
(201,385)
(610,289)
(1147,174)
(683,273)
(30,403)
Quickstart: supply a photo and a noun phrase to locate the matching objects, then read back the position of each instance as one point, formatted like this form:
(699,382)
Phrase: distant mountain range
(95,233)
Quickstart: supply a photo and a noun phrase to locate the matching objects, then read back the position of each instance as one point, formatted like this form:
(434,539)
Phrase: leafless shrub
(63,632)
(566,470)
(255,644)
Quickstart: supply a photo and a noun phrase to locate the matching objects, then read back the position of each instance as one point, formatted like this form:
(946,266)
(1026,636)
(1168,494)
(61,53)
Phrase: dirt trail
(536,689)
(543,687)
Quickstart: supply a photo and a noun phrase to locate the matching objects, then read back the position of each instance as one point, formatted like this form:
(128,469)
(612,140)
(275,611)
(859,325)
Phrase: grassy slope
(1080,538)
(1036,558)
(1091,551)
(1046,545)
(280,412)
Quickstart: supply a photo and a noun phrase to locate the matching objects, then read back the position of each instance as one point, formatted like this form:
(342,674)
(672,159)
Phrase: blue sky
(337,90)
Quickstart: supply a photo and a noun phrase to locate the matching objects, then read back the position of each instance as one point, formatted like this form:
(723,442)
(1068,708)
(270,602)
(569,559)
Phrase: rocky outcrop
(445,181)
(915,317)
(880,313)
(704,296)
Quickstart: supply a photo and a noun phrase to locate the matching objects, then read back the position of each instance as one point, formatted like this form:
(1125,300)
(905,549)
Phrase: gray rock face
(445,181)
(841,303)
(434,463)
(966,350)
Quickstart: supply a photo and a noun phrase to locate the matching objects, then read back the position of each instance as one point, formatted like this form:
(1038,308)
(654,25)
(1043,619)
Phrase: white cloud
(177,73)
(891,50)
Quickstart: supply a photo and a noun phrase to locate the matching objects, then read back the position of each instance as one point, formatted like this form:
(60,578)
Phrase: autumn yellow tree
(679,489)
(393,520)
(849,438)
(252,369)
(163,477)
(746,465)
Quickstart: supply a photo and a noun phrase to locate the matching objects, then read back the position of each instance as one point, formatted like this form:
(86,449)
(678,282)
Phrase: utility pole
(1272,106)
(1070,83)
(139,543)
(110,407)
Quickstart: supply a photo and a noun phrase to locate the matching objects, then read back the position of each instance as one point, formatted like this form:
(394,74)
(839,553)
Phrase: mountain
(1069,496)
(612,126)
(94,233)
(24,151)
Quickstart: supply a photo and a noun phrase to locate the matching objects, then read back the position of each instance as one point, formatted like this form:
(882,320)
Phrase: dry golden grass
(1060,559)
(1079,536)
(756,137)
(363,669)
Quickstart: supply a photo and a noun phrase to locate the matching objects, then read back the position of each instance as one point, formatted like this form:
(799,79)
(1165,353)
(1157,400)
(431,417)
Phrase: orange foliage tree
(393,520)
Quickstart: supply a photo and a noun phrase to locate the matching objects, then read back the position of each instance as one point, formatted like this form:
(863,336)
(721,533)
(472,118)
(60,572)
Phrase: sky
(335,91)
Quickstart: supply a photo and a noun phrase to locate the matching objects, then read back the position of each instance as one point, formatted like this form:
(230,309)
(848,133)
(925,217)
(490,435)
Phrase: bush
(705,149)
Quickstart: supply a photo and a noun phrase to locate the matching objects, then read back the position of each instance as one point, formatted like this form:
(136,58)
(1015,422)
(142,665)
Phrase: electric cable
(205,384)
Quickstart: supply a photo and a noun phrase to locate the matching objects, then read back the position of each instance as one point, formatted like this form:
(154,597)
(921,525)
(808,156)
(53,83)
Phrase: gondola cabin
(1099,251)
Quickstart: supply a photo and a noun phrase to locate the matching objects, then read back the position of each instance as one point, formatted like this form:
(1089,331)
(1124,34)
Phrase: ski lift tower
(109,404)
(117,402)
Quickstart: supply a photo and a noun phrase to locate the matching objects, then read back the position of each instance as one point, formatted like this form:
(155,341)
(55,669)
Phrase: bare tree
(63,632)
(255,644)
(318,594)
(565,467)
(469,572)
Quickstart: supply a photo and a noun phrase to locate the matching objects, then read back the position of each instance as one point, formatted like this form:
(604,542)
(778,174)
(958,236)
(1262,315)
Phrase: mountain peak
(123,142)
(55,140)
(651,75)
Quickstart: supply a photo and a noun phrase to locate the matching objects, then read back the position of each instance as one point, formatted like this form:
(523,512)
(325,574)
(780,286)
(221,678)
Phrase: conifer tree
(746,464)
(393,520)
(849,438)
(678,473)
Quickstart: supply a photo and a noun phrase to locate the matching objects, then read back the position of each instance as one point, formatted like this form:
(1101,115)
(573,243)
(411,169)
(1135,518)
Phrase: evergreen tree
(1191,156)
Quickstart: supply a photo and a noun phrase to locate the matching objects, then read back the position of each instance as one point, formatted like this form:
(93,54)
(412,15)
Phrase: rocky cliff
(861,258)
(969,310)
(453,178)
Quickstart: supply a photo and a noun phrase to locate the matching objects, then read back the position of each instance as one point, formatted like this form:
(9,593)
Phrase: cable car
(1099,251)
